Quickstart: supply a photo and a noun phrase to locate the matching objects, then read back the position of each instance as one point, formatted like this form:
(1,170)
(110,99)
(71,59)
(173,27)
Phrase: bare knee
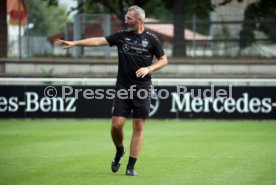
(138,125)
(117,123)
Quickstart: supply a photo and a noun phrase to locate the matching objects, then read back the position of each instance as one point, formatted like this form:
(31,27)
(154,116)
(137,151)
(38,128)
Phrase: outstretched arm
(143,71)
(97,41)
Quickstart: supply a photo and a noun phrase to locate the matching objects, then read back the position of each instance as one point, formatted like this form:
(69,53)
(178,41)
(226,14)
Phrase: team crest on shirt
(145,43)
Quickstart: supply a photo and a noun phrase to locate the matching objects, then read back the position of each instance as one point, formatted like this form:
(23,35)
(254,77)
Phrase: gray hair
(139,11)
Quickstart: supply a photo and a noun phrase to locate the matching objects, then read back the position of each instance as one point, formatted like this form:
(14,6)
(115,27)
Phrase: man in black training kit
(136,48)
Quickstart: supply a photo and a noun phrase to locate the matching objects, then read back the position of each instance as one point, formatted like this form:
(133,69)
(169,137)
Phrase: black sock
(119,153)
(131,162)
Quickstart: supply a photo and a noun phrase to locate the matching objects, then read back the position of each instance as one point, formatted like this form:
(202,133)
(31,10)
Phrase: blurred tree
(159,9)
(3,29)
(153,8)
(118,7)
(182,11)
(179,45)
(47,19)
(52,2)
(258,16)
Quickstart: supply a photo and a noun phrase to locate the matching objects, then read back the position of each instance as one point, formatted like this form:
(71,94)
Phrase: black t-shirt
(134,51)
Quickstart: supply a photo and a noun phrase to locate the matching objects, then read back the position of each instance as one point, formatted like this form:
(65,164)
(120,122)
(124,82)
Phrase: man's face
(131,21)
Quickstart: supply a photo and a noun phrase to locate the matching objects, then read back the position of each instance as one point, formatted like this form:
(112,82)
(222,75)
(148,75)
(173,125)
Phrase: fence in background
(203,38)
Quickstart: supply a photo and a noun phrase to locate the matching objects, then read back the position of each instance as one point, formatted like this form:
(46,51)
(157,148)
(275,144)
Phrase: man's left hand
(142,72)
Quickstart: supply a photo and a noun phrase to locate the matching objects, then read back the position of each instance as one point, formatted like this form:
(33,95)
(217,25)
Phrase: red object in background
(12,9)
(15,14)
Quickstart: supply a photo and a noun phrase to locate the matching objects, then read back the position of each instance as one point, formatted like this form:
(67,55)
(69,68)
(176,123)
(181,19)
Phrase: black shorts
(137,104)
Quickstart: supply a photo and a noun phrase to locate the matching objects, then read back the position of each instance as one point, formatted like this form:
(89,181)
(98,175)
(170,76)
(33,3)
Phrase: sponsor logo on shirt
(126,47)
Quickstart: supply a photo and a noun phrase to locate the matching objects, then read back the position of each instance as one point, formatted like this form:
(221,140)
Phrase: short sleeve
(157,47)
(113,39)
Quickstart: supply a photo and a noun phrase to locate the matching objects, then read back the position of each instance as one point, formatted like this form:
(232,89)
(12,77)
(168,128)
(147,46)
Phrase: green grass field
(76,152)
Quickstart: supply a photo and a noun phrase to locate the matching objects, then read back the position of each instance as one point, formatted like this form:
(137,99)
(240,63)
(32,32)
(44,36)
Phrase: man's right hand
(66,44)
